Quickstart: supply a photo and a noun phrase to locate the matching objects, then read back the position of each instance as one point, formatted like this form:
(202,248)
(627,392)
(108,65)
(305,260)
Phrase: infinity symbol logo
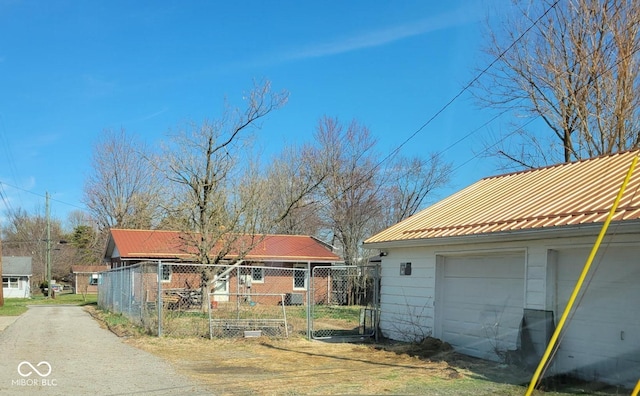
(34,369)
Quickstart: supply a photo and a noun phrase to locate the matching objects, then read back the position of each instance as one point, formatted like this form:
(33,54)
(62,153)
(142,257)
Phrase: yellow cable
(636,390)
(576,289)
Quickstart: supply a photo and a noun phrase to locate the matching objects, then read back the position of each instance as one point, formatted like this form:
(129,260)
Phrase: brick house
(262,269)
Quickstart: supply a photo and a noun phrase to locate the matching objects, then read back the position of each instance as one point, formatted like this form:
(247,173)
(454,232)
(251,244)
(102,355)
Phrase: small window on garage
(93,279)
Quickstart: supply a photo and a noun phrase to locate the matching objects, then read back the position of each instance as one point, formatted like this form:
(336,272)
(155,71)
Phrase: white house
(490,269)
(16,276)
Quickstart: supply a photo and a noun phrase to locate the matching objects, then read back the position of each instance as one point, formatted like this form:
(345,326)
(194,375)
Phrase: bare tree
(25,235)
(352,189)
(123,190)
(410,182)
(573,64)
(205,164)
(291,185)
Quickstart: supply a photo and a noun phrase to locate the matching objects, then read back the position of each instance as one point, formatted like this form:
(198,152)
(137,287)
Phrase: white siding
(407,300)
(22,291)
(601,342)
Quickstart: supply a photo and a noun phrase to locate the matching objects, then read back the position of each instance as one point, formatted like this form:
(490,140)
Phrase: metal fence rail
(166,298)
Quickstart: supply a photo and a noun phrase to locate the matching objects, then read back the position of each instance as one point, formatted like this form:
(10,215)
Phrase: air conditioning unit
(293,299)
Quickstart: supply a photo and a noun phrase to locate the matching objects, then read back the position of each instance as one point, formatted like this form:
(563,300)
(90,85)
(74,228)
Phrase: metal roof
(574,193)
(157,244)
(16,266)
(88,269)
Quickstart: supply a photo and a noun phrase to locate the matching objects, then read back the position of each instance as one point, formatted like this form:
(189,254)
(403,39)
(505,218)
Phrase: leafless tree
(123,191)
(292,184)
(25,235)
(364,191)
(207,164)
(409,183)
(572,64)
(351,192)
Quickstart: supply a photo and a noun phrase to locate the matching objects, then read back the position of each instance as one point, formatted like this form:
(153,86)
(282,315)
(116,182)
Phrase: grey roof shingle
(17,266)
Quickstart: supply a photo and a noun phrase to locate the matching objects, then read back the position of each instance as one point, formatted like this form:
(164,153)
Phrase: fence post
(159,298)
(376,302)
(309,291)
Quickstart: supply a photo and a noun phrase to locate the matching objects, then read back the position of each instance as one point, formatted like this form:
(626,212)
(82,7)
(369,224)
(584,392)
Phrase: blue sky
(71,69)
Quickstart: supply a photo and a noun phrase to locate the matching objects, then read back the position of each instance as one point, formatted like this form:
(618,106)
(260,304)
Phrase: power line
(468,86)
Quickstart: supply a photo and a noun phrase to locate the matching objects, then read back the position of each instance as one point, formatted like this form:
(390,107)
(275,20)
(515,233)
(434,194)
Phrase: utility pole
(49,286)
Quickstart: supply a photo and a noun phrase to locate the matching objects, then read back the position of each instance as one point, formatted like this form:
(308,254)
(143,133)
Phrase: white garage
(481,303)
(602,338)
(508,249)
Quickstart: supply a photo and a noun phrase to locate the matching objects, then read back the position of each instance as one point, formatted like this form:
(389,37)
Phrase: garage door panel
(605,325)
(482,303)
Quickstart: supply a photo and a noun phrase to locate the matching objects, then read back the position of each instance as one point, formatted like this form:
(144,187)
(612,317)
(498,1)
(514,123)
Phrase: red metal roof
(157,244)
(86,269)
(567,194)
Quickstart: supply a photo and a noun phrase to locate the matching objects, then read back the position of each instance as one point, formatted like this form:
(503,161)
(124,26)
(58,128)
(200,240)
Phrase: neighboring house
(16,277)
(84,278)
(490,269)
(128,247)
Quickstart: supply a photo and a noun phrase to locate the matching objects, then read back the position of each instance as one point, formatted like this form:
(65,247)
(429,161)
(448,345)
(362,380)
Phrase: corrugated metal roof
(567,194)
(16,265)
(142,244)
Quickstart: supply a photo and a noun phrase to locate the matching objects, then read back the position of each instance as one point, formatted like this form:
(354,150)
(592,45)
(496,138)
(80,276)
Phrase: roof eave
(621,227)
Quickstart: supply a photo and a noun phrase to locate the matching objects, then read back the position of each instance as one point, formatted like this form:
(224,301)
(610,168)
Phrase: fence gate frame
(330,275)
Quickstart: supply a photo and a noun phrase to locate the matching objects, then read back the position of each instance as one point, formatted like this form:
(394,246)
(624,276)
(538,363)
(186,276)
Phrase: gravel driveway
(61,350)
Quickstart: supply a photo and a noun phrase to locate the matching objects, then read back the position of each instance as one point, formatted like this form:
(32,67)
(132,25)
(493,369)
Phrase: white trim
(300,265)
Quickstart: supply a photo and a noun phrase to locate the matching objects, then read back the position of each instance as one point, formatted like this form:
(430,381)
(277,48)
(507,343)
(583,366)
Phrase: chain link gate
(344,301)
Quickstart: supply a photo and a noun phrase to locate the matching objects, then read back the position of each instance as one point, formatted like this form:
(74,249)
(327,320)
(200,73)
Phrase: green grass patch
(14,306)
(18,306)
(348,313)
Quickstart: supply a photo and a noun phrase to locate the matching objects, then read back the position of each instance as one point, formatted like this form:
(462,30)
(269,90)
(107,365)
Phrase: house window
(166,273)
(257,275)
(10,282)
(299,276)
(93,279)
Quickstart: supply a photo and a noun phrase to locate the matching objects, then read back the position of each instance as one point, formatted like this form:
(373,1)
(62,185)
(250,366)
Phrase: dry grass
(296,366)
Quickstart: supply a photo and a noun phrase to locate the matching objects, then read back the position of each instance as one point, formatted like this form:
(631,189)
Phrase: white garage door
(602,338)
(481,303)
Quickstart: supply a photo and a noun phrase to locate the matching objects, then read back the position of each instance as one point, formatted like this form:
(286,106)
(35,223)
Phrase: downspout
(576,289)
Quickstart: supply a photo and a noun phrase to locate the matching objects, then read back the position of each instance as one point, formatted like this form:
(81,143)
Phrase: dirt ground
(263,366)
(296,366)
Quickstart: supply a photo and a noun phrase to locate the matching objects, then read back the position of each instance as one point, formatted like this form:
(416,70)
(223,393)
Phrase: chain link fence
(178,299)
(345,301)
